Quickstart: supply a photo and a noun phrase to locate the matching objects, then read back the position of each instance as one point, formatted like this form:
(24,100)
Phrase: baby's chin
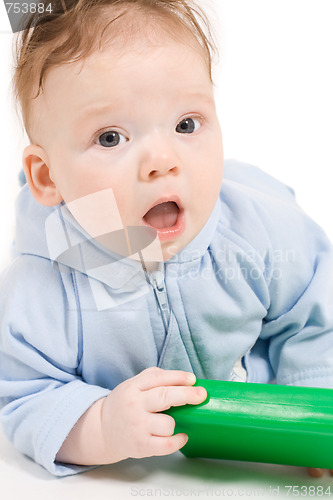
(171,248)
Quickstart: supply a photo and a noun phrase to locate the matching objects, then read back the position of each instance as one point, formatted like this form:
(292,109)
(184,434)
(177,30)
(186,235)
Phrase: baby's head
(118,94)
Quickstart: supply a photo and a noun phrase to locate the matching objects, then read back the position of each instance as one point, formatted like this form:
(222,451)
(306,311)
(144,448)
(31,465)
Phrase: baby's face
(141,121)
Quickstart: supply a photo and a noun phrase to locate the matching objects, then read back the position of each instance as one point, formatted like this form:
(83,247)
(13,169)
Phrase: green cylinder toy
(259,423)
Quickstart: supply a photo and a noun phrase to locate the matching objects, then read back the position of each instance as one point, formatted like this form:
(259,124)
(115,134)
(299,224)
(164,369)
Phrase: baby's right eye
(110,139)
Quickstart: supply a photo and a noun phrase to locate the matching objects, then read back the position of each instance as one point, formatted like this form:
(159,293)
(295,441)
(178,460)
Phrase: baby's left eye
(188,126)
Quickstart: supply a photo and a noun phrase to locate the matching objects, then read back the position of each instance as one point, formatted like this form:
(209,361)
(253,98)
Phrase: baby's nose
(157,162)
(162,169)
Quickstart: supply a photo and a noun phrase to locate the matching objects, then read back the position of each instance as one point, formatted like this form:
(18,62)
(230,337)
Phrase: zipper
(156,279)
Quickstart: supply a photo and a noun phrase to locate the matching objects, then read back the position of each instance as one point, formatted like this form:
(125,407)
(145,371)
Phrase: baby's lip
(167,217)
(165,199)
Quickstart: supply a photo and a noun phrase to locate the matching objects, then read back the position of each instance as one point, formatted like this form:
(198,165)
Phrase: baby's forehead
(172,64)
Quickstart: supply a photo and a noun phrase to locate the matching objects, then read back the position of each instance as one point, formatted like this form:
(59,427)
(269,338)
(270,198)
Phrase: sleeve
(298,327)
(41,392)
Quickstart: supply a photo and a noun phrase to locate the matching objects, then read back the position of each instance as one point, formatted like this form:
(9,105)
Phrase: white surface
(276,107)
(173,476)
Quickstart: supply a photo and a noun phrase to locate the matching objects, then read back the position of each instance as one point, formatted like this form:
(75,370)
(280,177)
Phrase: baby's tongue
(163,215)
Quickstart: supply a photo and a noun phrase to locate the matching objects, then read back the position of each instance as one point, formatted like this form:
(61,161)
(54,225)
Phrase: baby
(136,268)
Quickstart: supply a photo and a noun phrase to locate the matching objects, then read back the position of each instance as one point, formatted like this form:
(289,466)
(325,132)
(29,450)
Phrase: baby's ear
(37,173)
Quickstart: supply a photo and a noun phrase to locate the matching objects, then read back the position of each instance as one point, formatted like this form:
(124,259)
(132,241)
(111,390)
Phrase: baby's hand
(131,424)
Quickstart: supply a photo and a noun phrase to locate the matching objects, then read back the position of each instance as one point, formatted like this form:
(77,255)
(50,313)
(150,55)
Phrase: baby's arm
(43,395)
(126,423)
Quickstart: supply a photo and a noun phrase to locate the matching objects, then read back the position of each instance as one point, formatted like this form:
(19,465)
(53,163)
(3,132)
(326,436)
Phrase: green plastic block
(259,423)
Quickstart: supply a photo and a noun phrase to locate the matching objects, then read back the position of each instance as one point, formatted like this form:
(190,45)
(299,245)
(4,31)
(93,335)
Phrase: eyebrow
(98,110)
(201,95)
(94,110)
(204,97)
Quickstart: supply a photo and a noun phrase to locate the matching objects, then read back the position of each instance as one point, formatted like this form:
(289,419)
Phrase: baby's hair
(68,36)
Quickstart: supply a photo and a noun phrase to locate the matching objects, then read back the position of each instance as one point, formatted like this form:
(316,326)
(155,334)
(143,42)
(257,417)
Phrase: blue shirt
(250,298)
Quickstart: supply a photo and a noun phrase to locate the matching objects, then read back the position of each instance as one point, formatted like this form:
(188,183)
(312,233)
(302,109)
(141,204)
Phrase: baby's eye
(188,126)
(110,139)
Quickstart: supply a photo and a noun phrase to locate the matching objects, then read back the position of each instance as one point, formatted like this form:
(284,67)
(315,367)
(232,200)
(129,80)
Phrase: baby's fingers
(159,446)
(162,398)
(156,377)
(161,425)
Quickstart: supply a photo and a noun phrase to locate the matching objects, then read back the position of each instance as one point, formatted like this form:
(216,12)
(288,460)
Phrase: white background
(274,94)
(275,85)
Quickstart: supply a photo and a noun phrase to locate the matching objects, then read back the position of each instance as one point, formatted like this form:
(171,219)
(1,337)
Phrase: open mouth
(167,218)
(163,215)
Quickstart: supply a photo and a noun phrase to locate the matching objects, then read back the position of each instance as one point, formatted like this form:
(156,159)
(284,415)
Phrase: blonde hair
(71,34)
